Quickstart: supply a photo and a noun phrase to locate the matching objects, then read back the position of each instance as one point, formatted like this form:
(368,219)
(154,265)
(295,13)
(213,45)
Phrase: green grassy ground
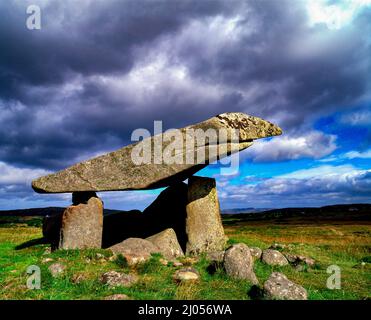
(345,245)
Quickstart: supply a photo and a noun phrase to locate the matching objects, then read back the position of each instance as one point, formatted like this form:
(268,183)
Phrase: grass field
(346,245)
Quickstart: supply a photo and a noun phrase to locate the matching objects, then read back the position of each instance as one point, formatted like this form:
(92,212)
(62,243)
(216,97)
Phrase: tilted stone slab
(118,171)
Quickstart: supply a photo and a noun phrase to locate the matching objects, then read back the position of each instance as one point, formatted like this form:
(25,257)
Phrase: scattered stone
(189,261)
(278,246)
(115,279)
(99,256)
(46,260)
(238,263)
(164,262)
(307,260)
(177,264)
(82,226)
(117,170)
(215,256)
(292,258)
(112,258)
(203,225)
(56,269)
(256,252)
(168,243)
(299,259)
(274,258)
(47,251)
(186,274)
(279,287)
(135,250)
(78,278)
(117,296)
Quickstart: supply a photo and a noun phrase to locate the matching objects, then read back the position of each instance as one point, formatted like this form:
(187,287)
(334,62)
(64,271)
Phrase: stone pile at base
(185,218)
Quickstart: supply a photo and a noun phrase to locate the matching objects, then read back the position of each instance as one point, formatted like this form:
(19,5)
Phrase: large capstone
(204,224)
(167,158)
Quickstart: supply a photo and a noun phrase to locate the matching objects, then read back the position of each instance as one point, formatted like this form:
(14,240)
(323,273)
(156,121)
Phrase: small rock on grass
(78,278)
(48,250)
(238,263)
(279,287)
(163,261)
(256,252)
(56,269)
(115,279)
(186,274)
(274,258)
(177,264)
(46,260)
(117,296)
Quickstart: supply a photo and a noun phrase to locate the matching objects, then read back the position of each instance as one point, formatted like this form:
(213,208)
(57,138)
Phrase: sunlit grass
(343,245)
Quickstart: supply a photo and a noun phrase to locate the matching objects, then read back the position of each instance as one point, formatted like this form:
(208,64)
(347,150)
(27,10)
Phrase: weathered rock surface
(117,296)
(216,256)
(297,259)
(186,274)
(204,224)
(238,263)
(78,278)
(56,269)
(256,252)
(279,287)
(116,279)
(119,170)
(168,243)
(82,226)
(135,250)
(274,258)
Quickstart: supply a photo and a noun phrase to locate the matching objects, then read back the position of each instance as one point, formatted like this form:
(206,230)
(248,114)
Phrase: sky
(97,70)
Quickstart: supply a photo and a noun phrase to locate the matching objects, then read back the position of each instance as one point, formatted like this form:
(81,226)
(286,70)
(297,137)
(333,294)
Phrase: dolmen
(184,215)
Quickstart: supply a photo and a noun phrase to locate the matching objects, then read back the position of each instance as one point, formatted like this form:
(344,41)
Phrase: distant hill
(359,212)
(351,212)
(40,212)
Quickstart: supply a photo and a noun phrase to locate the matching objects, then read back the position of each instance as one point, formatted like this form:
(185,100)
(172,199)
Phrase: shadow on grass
(31,243)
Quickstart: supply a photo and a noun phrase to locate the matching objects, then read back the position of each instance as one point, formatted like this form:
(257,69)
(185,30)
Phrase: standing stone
(238,263)
(203,224)
(168,243)
(82,225)
(279,287)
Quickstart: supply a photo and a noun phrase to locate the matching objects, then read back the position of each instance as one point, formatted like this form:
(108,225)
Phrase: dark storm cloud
(314,70)
(65,93)
(84,37)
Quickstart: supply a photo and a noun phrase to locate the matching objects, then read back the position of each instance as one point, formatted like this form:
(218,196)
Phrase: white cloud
(314,145)
(335,15)
(13,175)
(315,186)
(320,171)
(356,154)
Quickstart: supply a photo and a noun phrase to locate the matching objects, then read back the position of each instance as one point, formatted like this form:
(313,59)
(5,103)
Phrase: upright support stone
(82,223)
(204,224)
